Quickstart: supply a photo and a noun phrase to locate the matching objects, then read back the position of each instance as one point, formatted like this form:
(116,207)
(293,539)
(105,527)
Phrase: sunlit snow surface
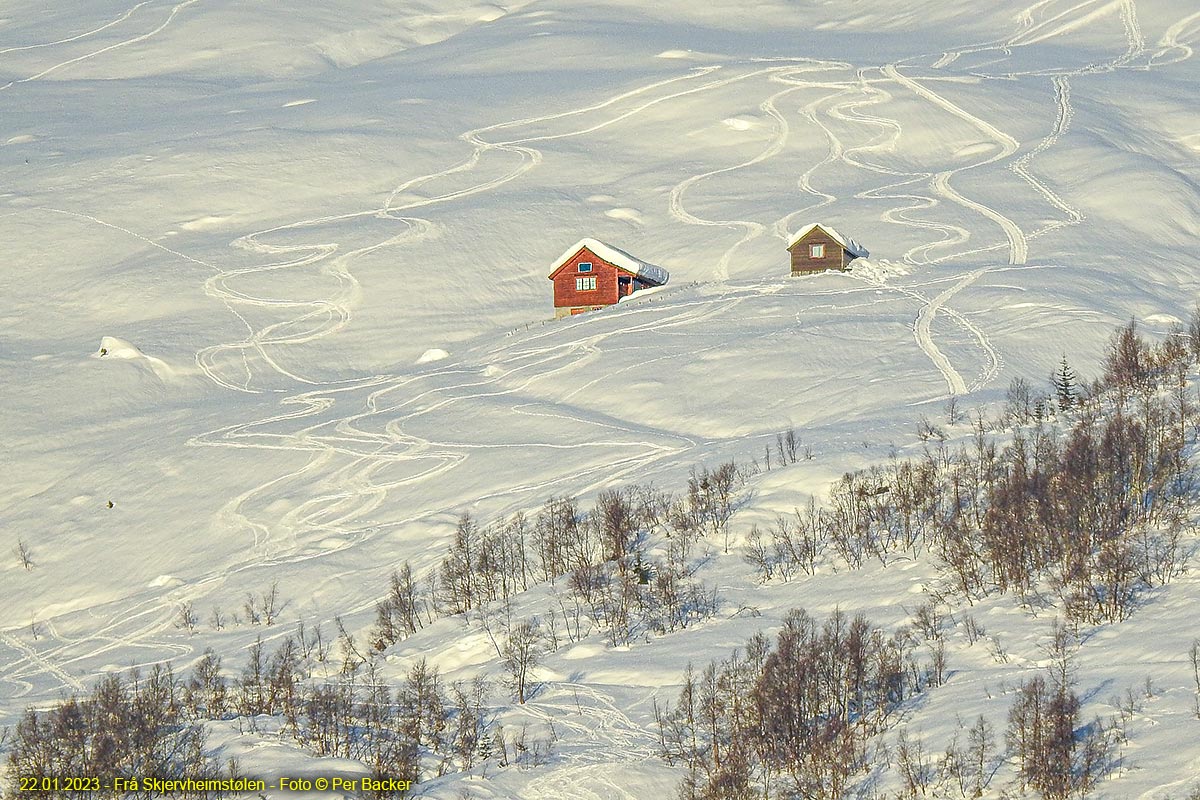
(277,214)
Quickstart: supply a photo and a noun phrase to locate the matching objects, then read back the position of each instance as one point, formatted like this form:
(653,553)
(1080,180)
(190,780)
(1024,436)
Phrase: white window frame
(585,284)
(816,251)
(585,266)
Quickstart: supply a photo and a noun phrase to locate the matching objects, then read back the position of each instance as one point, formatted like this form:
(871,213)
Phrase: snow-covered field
(312,240)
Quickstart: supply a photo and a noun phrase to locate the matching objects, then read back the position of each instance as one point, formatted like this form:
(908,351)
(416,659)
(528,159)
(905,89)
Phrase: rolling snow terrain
(275,311)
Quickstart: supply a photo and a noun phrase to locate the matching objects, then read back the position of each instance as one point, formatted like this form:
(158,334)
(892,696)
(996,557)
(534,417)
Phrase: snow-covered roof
(651,273)
(852,247)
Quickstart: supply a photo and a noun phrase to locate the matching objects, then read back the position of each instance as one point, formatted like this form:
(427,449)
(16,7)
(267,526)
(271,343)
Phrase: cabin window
(585,266)
(585,284)
(816,251)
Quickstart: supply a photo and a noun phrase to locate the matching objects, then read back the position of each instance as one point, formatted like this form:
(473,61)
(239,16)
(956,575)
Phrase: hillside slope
(274,215)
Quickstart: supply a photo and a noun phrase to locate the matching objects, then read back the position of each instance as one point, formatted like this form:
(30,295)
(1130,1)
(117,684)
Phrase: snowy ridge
(652,273)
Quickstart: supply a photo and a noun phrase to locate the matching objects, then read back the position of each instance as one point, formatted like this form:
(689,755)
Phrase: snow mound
(877,271)
(433,354)
(1163,320)
(631,215)
(112,347)
(205,223)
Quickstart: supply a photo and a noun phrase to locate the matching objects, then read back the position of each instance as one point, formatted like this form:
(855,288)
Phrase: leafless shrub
(914,765)
(1056,756)
(1128,705)
(186,619)
(711,498)
(521,653)
(1018,402)
(1194,659)
(758,554)
(312,644)
(352,657)
(1127,362)
(616,515)
(981,758)
(263,608)
(529,751)
(135,724)
(928,620)
(398,614)
(997,651)
(1094,513)
(653,506)
(936,674)
(787,446)
(206,694)
(927,431)
(792,543)
(972,629)
(1193,335)
(799,713)
(24,554)
(954,414)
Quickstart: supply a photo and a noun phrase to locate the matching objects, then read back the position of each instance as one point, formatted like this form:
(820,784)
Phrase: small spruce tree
(1065,384)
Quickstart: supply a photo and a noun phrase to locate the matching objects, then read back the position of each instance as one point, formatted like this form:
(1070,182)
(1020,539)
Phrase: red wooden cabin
(592,274)
(819,247)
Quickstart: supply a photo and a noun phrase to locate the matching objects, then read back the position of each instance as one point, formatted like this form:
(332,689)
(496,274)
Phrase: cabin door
(624,286)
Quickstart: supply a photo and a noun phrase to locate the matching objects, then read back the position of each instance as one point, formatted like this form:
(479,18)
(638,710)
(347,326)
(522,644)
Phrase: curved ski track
(849,110)
(101,51)
(778,142)
(128,13)
(349,490)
